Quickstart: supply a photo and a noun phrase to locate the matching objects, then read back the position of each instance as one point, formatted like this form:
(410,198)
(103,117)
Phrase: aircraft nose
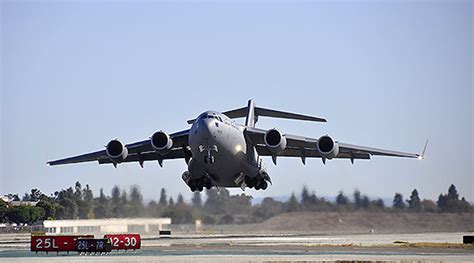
(205,128)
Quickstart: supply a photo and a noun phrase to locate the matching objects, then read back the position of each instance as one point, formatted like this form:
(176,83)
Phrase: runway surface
(387,247)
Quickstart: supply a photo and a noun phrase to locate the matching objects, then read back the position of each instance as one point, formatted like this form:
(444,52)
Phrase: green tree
(70,210)
(180,201)
(453,193)
(153,209)
(197,200)
(18,214)
(292,204)
(357,199)
(450,202)
(237,204)
(305,197)
(49,209)
(464,205)
(414,203)
(398,202)
(116,202)
(163,198)
(125,210)
(341,199)
(453,202)
(77,191)
(442,202)
(216,200)
(136,201)
(33,196)
(268,208)
(379,204)
(84,200)
(36,213)
(365,203)
(101,208)
(428,205)
(3,211)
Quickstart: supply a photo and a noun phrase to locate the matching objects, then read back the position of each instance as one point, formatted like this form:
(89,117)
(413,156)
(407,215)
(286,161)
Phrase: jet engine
(328,147)
(161,142)
(275,141)
(116,151)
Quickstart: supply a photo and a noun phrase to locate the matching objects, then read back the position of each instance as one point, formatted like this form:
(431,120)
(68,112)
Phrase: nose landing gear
(208,159)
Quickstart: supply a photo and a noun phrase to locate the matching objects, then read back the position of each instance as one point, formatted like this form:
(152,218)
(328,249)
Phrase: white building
(103,226)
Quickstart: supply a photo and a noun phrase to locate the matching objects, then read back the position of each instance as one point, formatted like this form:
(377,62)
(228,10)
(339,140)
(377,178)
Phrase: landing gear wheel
(253,182)
(257,187)
(248,181)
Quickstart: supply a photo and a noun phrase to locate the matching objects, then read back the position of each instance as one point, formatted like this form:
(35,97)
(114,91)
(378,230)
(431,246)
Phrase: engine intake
(116,151)
(328,147)
(275,141)
(161,142)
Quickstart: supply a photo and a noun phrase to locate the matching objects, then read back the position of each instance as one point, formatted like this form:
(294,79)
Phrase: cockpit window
(207,116)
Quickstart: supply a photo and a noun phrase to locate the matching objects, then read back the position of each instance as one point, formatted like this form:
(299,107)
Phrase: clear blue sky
(385,74)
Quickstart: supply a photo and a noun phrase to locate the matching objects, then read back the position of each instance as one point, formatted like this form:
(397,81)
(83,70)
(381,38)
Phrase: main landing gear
(257,183)
(198,184)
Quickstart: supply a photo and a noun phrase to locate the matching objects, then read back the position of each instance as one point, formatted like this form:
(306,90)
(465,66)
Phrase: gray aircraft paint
(220,152)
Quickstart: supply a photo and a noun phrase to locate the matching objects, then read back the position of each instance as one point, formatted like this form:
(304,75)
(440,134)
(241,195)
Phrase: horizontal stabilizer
(242,112)
(286,115)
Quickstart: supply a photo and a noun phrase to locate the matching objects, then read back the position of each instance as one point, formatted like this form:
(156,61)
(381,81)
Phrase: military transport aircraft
(220,152)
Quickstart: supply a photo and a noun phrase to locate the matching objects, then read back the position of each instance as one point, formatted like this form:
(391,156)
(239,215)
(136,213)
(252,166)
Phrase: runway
(386,247)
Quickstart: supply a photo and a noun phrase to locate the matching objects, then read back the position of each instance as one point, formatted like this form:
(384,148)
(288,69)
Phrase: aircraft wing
(299,146)
(137,152)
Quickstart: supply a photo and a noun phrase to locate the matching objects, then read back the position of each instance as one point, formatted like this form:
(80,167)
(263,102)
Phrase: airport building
(102,226)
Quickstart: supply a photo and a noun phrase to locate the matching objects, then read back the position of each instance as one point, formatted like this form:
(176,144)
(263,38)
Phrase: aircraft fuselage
(219,149)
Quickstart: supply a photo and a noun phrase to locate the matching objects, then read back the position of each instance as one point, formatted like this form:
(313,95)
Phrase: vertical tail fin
(251,118)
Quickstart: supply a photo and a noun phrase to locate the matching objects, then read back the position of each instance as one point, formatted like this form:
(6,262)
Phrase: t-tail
(252,112)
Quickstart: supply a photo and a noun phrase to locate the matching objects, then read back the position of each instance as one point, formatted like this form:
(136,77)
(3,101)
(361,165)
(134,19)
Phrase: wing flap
(296,143)
(309,153)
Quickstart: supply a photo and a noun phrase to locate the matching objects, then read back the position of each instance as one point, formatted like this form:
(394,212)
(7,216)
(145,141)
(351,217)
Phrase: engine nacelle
(275,141)
(328,147)
(116,151)
(161,142)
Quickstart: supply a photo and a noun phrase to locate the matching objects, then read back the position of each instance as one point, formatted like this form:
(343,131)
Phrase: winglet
(422,156)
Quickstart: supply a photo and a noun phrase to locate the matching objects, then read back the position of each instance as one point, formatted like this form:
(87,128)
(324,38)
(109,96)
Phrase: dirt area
(354,222)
